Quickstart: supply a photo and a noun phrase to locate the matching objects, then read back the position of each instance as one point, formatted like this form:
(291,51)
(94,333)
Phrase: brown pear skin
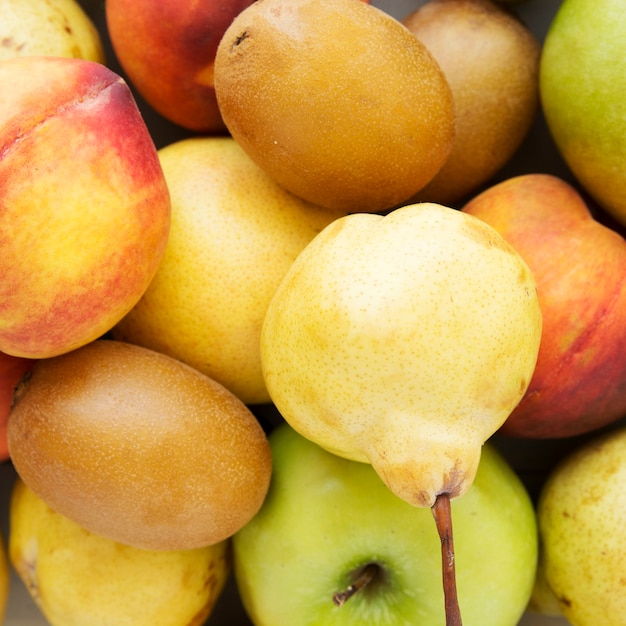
(336,100)
(138,447)
(491,62)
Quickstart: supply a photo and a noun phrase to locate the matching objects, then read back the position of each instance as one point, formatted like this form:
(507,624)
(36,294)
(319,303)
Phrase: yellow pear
(404,341)
(78,578)
(51,28)
(582,515)
(234,233)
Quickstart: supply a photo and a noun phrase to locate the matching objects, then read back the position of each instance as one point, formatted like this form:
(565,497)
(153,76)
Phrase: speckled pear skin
(404,341)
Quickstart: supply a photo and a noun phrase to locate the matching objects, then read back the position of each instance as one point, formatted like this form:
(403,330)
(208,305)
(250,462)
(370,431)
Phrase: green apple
(581,519)
(582,86)
(328,521)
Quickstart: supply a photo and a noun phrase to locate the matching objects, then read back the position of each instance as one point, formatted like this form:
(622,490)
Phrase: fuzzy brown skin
(138,447)
(335,100)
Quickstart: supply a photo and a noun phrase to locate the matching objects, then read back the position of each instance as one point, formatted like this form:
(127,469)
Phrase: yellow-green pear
(404,341)
(582,516)
(78,578)
(234,233)
(52,28)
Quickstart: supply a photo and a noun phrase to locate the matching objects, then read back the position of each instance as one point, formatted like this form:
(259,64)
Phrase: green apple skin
(581,518)
(326,517)
(582,85)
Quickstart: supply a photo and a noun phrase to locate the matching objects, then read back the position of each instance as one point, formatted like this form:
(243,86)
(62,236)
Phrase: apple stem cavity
(364,577)
(442,513)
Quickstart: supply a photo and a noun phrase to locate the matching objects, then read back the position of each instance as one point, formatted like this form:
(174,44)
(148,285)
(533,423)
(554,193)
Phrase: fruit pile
(311,312)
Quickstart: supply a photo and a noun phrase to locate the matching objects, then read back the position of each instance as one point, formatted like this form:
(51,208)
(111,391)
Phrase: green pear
(403,341)
(77,577)
(327,519)
(582,84)
(581,518)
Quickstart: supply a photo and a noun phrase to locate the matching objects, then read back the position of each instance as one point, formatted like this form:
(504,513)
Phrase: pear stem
(442,513)
(365,577)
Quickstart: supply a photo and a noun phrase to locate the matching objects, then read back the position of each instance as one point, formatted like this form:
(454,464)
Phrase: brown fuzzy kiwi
(335,100)
(138,447)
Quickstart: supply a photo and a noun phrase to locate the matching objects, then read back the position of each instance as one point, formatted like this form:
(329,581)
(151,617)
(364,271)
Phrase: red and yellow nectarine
(84,206)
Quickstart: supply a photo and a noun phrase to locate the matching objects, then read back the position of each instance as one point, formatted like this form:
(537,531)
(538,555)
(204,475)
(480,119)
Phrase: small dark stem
(367,574)
(443,518)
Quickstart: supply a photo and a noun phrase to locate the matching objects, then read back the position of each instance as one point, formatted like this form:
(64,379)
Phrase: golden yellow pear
(404,341)
(234,234)
(78,578)
(51,28)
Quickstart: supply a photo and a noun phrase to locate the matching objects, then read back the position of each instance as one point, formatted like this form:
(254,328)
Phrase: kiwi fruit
(336,100)
(138,447)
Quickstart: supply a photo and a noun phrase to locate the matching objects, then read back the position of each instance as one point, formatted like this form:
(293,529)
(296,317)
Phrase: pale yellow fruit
(48,28)
(582,516)
(404,341)
(78,578)
(234,234)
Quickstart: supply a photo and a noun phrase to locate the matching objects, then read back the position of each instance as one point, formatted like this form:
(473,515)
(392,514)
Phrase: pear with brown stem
(405,341)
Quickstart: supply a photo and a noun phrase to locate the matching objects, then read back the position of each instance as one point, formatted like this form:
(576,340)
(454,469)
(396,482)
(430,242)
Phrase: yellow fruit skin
(78,578)
(234,234)
(581,515)
(336,100)
(404,341)
(51,28)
